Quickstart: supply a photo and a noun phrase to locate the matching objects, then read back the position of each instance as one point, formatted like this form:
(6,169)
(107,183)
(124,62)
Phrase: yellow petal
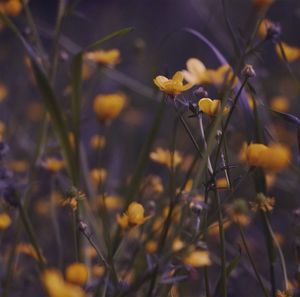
(178,76)
(195,67)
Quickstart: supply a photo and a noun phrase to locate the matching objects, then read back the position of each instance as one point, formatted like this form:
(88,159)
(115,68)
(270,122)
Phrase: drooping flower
(210,107)
(197,259)
(133,216)
(173,86)
(105,57)
(164,157)
(197,73)
(292,53)
(76,273)
(108,106)
(56,286)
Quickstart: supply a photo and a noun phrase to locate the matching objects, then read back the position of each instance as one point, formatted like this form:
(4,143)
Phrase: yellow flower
(97,142)
(133,216)
(98,271)
(98,175)
(222,183)
(111,202)
(164,157)
(292,53)
(197,73)
(11,7)
(76,273)
(5,221)
(280,103)
(210,107)
(3,91)
(108,106)
(274,158)
(53,164)
(197,259)
(177,244)
(262,4)
(57,287)
(106,57)
(263,28)
(172,86)
(151,246)
(27,249)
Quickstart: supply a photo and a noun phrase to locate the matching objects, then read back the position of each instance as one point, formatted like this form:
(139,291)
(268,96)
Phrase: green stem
(252,262)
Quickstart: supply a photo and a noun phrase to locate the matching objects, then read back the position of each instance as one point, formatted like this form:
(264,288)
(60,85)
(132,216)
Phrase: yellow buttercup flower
(76,273)
(210,107)
(5,221)
(172,86)
(280,103)
(53,164)
(11,7)
(56,286)
(133,216)
(197,73)
(197,259)
(97,142)
(273,158)
(164,157)
(151,246)
(108,106)
(292,53)
(263,28)
(3,91)
(105,57)
(98,175)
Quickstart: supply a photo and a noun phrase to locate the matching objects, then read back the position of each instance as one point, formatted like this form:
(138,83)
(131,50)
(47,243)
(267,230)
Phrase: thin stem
(252,262)
(32,236)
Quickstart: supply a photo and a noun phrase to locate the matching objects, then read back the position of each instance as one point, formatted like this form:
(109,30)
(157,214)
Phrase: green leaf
(56,117)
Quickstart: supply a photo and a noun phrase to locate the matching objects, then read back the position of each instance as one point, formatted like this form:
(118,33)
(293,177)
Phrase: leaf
(76,83)
(56,116)
(287,117)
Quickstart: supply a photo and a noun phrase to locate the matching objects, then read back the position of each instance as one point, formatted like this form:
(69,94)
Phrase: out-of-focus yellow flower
(3,91)
(197,73)
(111,202)
(56,286)
(27,249)
(153,185)
(133,216)
(280,103)
(273,158)
(151,246)
(284,293)
(42,207)
(263,28)
(18,166)
(173,86)
(108,106)
(2,130)
(35,112)
(210,107)
(222,183)
(197,259)
(11,7)
(292,53)
(98,175)
(90,252)
(262,4)
(105,57)
(98,271)
(165,157)
(177,244)
(5,221)
(53,164)
(97,142)
(76,273)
